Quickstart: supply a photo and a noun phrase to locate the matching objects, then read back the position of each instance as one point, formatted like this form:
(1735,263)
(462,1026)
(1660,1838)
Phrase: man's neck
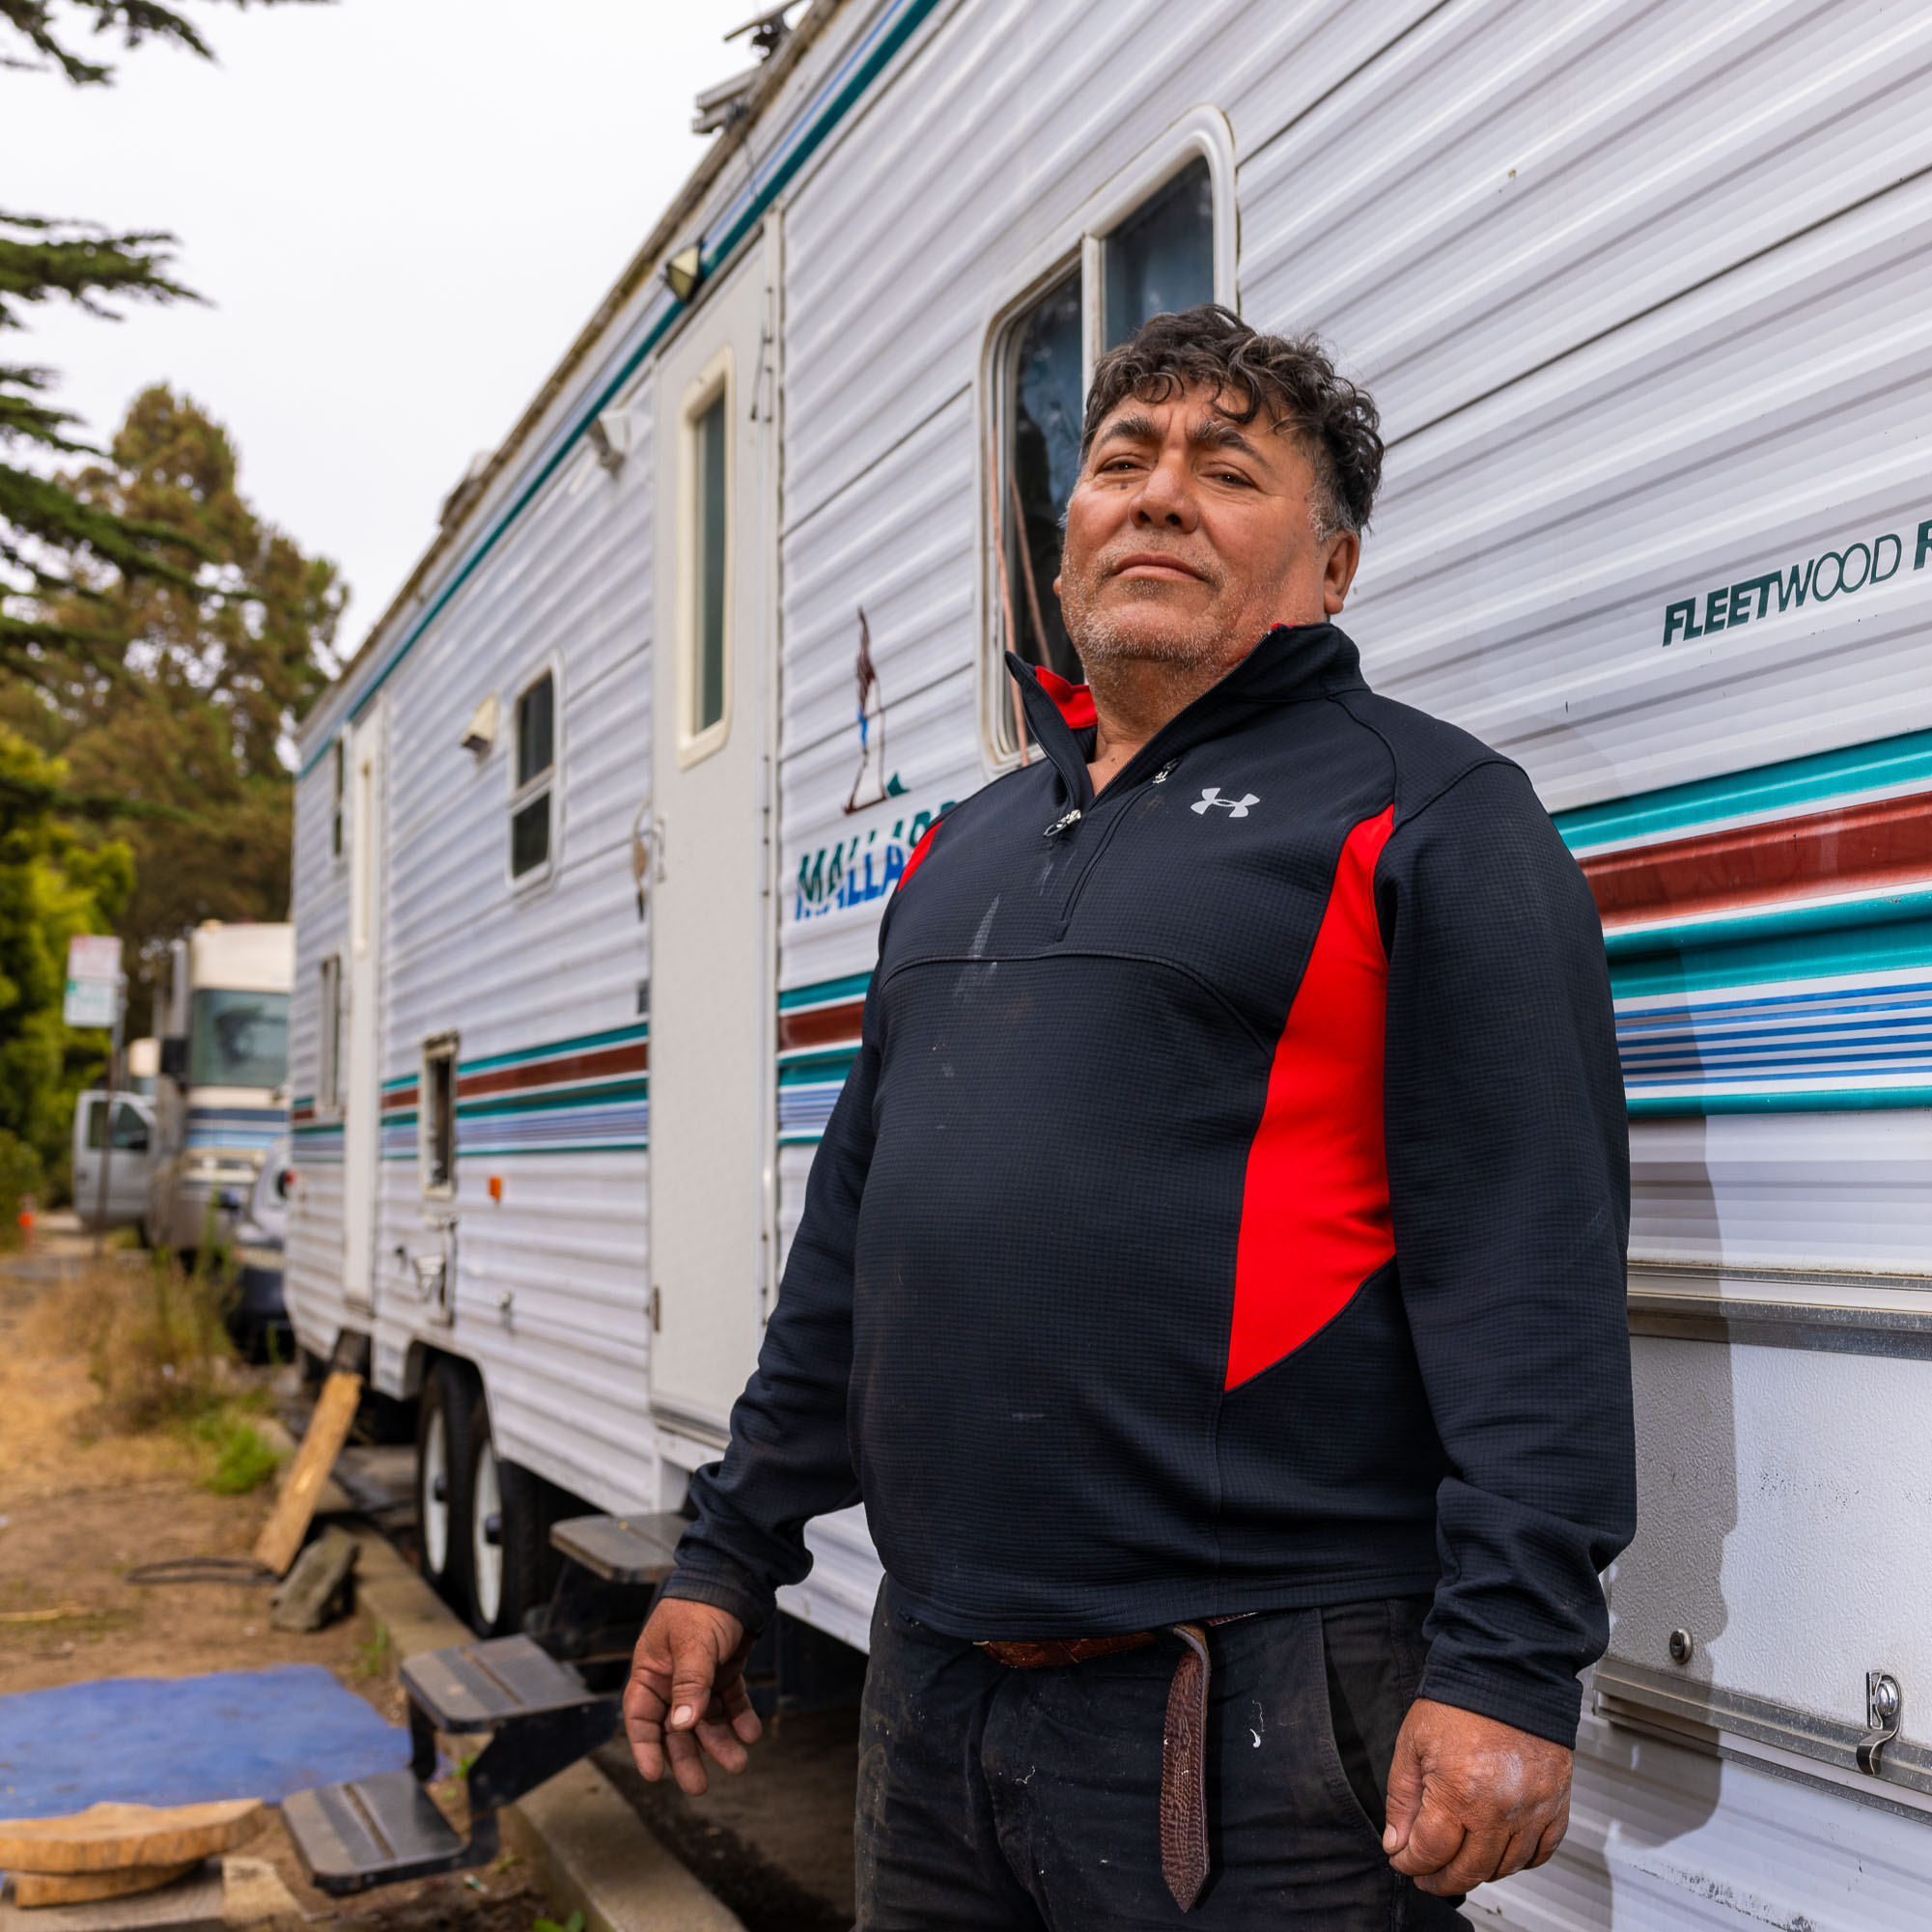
(1134,700)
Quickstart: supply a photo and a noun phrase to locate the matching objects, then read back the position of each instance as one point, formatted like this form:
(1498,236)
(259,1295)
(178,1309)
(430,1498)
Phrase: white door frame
(691,1387)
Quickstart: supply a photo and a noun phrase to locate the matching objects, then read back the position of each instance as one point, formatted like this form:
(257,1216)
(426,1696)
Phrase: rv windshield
(241,1039)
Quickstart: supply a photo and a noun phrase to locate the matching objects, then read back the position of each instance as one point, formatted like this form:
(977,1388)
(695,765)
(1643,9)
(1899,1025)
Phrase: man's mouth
(1154,567)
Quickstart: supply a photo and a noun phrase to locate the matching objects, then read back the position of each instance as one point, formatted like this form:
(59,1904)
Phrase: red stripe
(1873,846)
(1314,1216)
(917,857)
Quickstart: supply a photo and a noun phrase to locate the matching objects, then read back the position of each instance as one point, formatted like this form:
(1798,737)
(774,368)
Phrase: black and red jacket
(1226,1210)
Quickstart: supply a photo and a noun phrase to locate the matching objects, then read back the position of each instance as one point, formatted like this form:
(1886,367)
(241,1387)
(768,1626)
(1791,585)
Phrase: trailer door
(712,942)
(362,1098)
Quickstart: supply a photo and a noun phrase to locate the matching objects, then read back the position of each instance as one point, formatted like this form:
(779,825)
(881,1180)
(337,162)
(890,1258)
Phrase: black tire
(442,1479)
(512,1567)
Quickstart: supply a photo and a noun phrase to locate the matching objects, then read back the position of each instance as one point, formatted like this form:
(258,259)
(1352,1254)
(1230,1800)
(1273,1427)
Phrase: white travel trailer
(222,1095)
(593,836)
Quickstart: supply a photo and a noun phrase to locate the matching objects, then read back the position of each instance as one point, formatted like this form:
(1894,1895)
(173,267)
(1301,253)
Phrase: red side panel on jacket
(916,857)
(1314,1219)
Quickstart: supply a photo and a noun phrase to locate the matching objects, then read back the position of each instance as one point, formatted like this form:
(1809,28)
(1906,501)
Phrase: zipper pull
(1060,825)
(1161,776)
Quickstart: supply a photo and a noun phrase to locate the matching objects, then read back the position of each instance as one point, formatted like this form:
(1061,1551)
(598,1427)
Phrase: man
(1212,1278)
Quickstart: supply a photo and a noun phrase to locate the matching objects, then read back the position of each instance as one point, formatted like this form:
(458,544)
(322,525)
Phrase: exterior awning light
(482,732)
(684,270)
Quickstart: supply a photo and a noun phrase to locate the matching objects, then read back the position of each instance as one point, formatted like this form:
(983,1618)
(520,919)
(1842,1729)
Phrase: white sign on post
(93,980)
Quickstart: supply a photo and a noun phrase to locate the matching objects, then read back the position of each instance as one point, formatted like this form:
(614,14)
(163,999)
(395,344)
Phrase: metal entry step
(372,1832)
(380,1831)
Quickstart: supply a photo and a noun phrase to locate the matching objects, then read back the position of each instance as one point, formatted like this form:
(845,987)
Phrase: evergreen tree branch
(138,20)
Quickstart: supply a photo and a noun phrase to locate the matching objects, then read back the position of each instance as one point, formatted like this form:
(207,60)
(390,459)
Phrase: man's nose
(1168,498)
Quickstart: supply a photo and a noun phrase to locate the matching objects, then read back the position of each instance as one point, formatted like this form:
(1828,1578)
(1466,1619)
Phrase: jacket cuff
(727,1588)
(1543,1708)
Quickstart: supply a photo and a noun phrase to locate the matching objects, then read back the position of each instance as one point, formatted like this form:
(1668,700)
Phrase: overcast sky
(399,211)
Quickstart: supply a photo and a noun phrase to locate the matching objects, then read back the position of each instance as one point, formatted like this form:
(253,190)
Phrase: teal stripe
(816,1069)
(861,77)
(1839,1100)
(584,1042)
(1885,763)
(401,1081)
(827,993)
(547,1103)
(1810,955)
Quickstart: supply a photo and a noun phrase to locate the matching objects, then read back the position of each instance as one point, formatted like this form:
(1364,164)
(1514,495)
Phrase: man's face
(1188,537)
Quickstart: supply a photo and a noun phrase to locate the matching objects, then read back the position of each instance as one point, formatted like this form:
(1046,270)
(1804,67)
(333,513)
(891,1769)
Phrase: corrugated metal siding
(312,1282)
(512,970)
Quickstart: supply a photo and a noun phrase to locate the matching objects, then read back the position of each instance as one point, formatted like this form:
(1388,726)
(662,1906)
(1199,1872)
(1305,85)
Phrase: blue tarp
(185,1740)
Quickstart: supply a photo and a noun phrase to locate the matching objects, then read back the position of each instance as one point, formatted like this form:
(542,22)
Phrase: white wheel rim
(488,1501)
(434,1499)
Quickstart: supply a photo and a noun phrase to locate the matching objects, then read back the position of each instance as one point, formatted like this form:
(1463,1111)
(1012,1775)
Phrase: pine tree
(187,726)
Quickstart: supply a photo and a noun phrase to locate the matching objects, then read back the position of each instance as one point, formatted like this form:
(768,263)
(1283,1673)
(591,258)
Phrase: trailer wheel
(442,1479)
(511,1566)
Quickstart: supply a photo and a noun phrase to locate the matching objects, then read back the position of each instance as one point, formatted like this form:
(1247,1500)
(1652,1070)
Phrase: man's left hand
(1470,1799)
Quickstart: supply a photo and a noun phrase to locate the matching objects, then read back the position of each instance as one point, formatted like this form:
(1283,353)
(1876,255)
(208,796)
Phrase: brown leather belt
(1183,1738)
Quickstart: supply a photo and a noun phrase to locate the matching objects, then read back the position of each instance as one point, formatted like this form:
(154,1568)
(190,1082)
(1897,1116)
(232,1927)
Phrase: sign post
(96,991)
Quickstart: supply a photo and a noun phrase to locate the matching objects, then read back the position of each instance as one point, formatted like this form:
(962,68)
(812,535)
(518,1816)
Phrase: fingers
(1435,1839)
(687,1694)
(1405,1789)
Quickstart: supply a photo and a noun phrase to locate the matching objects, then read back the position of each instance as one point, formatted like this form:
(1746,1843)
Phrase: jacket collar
(1290,665)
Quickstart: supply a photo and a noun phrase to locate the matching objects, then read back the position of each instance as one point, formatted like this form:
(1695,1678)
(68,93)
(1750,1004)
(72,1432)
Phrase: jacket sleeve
(789,1460)
(1509,1181)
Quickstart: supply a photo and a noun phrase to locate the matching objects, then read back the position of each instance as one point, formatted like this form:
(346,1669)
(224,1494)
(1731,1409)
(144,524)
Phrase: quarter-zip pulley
(1061,824)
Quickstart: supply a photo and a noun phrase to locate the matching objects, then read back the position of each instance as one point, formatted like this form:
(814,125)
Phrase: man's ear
(1338,570)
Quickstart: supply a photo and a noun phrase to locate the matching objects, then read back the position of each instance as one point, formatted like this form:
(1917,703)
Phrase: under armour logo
(1235,808)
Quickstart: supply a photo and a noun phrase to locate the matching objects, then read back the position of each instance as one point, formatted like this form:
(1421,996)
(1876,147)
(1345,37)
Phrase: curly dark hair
(1291,376)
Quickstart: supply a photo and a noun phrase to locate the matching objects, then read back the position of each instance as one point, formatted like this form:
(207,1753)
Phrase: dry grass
(153,1337)
(157,1351)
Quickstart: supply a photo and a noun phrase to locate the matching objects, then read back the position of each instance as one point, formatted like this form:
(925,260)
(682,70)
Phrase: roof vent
(724,106)
(455,505)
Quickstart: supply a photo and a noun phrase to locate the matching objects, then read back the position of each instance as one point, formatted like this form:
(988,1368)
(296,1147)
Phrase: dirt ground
(82,1506)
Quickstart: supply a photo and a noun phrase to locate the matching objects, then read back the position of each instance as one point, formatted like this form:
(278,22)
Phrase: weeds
(154,1339)
(574,1924)
(372,1658)
(243,1460)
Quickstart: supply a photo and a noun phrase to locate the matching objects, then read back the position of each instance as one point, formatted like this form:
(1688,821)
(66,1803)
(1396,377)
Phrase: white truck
(223,1098)
(593,836)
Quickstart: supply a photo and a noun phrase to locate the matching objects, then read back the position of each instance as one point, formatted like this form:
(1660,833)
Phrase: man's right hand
(687,1689)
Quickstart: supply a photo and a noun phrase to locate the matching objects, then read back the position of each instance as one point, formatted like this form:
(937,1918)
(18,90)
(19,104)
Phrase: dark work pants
(1029,1799)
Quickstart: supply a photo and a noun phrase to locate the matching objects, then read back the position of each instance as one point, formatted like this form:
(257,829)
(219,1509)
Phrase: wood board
(35,1888)
(111,1838)
(281,1538)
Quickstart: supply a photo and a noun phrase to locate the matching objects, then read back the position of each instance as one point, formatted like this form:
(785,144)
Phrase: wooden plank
(288,1524)
(80,1888)
(108,1837)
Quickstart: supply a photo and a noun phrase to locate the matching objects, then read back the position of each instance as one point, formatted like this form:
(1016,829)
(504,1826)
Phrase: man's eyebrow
(1218,433)
(1129,430)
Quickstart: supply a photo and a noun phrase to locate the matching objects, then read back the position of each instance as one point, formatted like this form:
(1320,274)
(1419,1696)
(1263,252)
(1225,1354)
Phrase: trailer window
(329,1068)
(1155,255)
(1160,259)
(237,1038)
(1044,392)
(436,1115)
(534,768)
(705,565)
(339,769)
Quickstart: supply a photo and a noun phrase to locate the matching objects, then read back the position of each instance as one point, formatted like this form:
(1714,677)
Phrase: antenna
(767,30)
